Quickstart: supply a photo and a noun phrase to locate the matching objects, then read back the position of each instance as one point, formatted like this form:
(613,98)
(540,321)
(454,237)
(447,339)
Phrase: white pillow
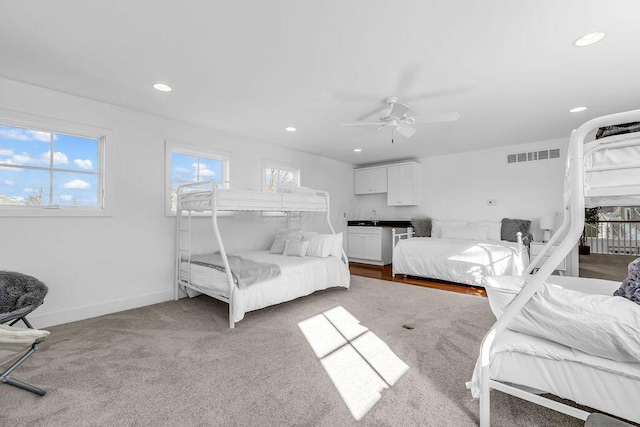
(322,245)
(308,235)
(494,229)
(464,232)
(336,251)
(296,247)
(436,226)
(281,237)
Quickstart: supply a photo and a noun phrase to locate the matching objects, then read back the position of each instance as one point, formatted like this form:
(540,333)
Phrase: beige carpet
(177,363)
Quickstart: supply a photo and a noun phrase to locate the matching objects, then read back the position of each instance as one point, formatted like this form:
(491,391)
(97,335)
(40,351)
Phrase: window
(275,175)
(191,164)
(50,169)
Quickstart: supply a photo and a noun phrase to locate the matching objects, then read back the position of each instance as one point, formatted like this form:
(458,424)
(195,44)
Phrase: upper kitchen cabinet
(402,184)
(370,180)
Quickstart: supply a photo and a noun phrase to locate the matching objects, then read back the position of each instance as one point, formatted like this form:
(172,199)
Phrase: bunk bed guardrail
(571,229)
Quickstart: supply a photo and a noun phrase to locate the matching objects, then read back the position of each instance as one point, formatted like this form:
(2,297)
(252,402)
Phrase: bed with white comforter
(573,339)
(458,260)
(300,276)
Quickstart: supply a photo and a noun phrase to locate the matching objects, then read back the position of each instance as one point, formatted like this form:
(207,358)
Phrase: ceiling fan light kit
(396,117)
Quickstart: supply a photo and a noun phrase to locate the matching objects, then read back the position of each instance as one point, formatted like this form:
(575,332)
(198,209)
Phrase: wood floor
(610,267)
(384,273)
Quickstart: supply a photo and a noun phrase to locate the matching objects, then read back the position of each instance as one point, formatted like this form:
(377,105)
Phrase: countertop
(381,223)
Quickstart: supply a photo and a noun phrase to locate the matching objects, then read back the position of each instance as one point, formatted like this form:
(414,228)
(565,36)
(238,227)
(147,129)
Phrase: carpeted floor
(177,363)
(605,266)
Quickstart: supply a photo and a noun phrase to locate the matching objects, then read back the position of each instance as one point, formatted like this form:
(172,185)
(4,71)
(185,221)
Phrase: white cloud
(30,190)
(59,158)
(83,164)
(66,197)
(205,172)
(23,158)
(9,182)
(77,184)
(25,135)
(5,152)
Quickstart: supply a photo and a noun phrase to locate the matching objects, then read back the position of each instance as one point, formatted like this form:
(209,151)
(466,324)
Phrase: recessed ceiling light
(577,109)
(162,87)
(290,129)
(357,150)
(589,39)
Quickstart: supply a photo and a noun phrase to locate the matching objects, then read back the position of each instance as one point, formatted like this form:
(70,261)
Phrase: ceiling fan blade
(398,110)
(441,117)
(377,113)
(359,124)
(406,130)
(369,133)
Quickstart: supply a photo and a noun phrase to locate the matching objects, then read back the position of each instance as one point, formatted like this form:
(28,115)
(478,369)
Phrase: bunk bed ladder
(183,249)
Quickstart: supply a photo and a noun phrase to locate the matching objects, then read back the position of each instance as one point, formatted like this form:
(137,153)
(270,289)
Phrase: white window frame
(57,126)
(172,147)
(279,165)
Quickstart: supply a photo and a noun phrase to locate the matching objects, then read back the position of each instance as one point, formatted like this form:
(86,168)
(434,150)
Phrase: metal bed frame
(575,194)
(212,200)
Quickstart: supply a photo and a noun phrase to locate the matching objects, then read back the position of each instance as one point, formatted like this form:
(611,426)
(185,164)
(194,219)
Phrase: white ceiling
(254,67)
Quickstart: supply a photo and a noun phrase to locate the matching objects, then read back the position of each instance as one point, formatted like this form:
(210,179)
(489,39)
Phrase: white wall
(98,265)
(458,187)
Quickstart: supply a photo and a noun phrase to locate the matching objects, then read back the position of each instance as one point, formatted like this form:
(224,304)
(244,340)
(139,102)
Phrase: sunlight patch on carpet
(359,363)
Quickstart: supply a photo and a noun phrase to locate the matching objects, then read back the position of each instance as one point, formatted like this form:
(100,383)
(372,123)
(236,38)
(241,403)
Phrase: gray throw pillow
(421,227)
(510,228)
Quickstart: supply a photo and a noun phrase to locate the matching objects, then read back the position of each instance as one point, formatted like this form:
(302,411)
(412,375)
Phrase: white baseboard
(46,320)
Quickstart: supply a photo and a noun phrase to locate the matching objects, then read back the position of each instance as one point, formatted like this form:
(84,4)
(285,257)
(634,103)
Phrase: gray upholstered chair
(19,295)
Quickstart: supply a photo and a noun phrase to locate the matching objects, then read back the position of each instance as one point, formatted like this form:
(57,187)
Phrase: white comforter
(459,261)
(573,339)
(299,276)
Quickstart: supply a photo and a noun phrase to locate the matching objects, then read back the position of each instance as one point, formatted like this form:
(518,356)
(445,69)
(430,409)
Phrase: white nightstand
(536,248)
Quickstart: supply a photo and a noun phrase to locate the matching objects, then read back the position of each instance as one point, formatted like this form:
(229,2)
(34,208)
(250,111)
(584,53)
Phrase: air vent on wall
(534,155)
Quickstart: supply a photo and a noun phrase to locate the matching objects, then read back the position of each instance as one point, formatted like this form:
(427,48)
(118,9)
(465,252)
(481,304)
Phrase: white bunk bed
(527,363)
(299,276)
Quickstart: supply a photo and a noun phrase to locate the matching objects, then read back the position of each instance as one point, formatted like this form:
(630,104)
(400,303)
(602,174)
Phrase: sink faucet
(374,218)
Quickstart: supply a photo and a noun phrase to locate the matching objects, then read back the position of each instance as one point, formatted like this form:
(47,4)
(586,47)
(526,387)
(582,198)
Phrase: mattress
(612,175)
(299,276)
(459,261)
(599,383)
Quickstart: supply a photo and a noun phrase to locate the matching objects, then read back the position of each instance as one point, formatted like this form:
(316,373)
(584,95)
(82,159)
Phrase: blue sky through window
(28,177)
(188,168)
(185,168)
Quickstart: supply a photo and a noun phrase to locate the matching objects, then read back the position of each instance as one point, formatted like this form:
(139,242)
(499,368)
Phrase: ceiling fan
(395,116)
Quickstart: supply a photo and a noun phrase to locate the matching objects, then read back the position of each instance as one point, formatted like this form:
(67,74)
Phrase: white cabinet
(402,184)
(370,180)
(536,248)
(370,245)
